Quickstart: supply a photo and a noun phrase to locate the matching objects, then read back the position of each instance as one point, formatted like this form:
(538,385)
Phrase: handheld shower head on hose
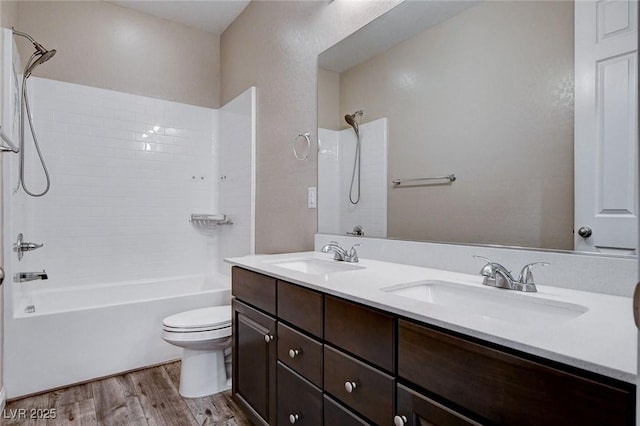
(38,57)
(351,121)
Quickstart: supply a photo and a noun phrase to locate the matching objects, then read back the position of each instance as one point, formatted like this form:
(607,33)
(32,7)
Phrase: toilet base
(202,373)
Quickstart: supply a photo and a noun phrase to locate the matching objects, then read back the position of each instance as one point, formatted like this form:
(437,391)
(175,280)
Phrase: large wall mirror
(454,122)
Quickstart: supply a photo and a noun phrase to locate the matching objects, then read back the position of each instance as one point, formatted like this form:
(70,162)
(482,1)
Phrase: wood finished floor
(144,397)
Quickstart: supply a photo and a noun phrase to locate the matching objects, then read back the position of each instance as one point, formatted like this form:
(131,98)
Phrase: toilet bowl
(204,334)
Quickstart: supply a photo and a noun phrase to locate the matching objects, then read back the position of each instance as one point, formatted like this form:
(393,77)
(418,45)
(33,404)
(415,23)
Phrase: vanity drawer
(255,289)
(364,332)
(498,385)
(298,400)
(301,307)
(373,394)
(308,360)
(335,414)
(425,411)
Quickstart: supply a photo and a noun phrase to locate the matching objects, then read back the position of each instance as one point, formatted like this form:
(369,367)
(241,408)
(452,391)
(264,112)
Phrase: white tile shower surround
(127,171)
(236,194)
(335,168)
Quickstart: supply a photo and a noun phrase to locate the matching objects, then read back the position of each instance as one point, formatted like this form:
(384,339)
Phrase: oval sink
(491,304)
(314,266)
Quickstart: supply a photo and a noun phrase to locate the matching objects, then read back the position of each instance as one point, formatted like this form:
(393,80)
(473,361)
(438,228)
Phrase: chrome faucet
(22,277)
(496,275)
(341,254)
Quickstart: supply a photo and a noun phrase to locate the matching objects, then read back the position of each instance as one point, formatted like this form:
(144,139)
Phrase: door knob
(636,305)
(585,232)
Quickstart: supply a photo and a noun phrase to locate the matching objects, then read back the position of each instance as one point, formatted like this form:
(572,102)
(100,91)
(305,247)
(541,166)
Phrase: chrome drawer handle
(294,353)
(350,386)
(268,338)
(399,420)
(293,418)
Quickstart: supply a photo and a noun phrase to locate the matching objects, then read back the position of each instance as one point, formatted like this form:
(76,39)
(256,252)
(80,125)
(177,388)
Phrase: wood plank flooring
(144,397)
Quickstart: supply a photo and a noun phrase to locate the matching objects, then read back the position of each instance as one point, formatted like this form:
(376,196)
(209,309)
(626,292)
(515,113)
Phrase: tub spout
(22,277)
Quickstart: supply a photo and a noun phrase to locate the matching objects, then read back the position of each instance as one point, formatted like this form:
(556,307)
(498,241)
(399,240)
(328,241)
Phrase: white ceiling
(213,16)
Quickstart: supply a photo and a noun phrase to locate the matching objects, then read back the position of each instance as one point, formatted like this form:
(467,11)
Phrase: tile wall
(126,173)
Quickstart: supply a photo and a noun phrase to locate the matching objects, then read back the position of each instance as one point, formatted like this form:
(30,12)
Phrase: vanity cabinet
(342,363)
(502,387)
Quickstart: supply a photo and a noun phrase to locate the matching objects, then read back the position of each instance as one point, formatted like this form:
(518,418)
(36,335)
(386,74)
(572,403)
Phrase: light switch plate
(312,200)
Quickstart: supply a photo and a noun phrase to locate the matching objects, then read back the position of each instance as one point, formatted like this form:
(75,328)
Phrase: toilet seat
(200,320)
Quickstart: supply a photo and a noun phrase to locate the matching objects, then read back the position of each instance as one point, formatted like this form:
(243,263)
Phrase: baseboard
(3,399)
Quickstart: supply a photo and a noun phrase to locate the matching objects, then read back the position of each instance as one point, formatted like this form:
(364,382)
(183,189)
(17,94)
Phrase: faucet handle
(487,270)
(526,276)
(353,254)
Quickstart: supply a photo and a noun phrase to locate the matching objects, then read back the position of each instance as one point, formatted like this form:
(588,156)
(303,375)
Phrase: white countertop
(602,340)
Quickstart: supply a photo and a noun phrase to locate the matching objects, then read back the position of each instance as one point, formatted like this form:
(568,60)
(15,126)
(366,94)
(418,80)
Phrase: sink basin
(491,304)
(315,266)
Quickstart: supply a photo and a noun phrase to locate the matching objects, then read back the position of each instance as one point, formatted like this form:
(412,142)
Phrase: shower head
(43,57)
(40,56)
(351,120)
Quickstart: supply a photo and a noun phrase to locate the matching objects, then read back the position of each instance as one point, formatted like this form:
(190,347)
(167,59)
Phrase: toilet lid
(214,317)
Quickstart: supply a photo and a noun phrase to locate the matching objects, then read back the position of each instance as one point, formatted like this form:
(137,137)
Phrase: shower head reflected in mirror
(351,120)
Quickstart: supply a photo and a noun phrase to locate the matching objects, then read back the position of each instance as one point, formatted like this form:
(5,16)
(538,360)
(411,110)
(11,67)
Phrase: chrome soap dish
(204,220)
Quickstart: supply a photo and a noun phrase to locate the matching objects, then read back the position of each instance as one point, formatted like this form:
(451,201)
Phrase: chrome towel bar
(450,178)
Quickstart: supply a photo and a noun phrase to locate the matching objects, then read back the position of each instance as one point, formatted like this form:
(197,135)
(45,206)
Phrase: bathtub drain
(30,309)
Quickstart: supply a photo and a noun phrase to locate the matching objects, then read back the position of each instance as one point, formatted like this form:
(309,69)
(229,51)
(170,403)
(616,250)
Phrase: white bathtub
(79,334)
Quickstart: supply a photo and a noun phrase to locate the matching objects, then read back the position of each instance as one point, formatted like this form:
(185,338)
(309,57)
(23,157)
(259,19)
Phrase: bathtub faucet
(22,277)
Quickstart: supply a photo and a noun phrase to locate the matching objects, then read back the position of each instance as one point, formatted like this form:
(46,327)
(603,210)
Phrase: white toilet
(204,334)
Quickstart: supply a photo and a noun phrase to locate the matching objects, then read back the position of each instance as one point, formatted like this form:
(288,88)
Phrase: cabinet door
(415,409)
(254,363)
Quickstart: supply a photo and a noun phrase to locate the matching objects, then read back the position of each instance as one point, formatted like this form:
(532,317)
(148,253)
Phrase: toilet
(205,335)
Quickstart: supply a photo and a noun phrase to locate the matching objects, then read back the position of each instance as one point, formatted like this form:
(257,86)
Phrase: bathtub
(57,338)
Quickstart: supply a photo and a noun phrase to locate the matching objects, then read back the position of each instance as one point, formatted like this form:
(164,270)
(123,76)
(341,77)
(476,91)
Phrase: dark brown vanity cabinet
(304,357)
(505,388)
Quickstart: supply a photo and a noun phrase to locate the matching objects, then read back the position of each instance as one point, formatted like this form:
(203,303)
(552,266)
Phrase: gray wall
(488,95)
(103,45)
(274,45)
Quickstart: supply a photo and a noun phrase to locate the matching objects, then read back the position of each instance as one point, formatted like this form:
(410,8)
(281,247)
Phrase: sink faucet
(496,275)
(22,277)
(341,254)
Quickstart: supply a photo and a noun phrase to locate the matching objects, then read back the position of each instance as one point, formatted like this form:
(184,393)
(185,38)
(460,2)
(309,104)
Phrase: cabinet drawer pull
(293,418)
(350,386)
(294,353)
(268,338)
(399,420)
